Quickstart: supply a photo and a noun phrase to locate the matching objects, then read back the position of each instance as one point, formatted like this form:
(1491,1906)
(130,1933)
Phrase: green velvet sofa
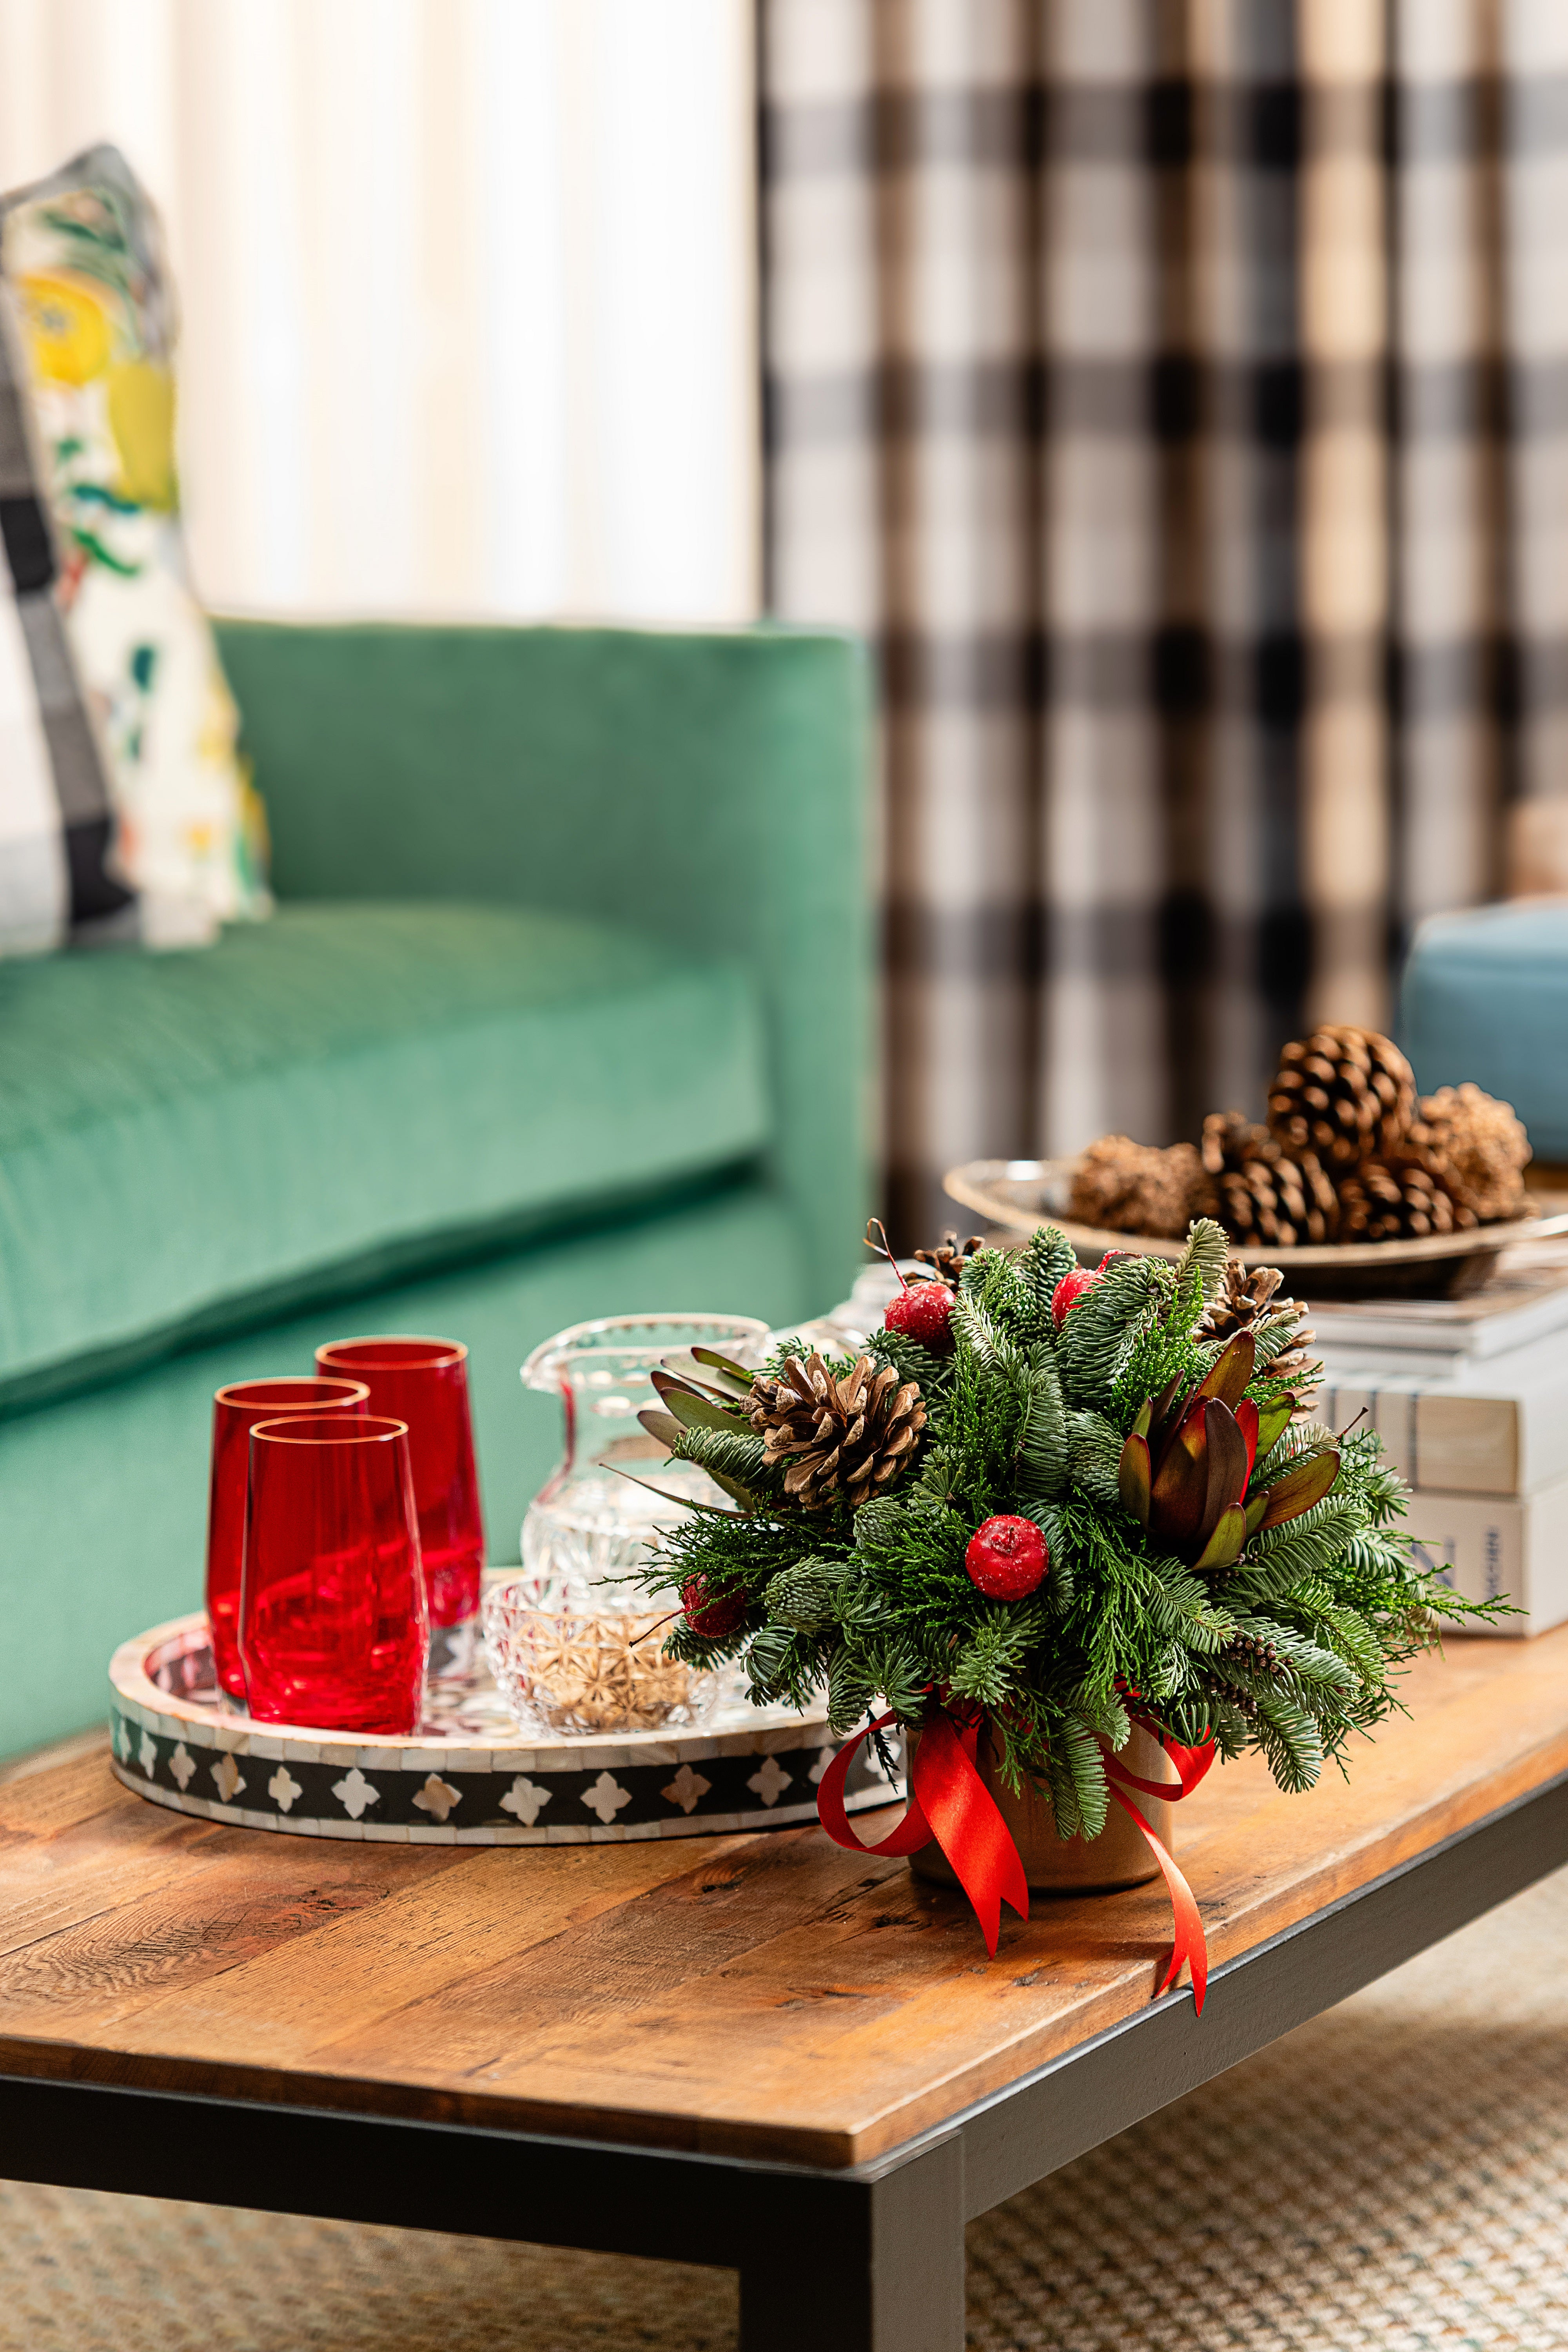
(563,1012)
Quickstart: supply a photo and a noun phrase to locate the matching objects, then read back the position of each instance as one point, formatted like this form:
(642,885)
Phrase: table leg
(883,2274)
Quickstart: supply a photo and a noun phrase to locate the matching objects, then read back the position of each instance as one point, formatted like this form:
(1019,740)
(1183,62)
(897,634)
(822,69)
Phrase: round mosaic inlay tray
(468,1777)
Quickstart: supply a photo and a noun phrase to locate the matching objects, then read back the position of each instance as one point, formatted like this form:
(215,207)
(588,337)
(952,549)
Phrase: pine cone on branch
(1269,1196)
(949,1257)
(1344,1093)
(1398,1200)
(1479,1149)
(837,1439)
(1123,1187)
(1250,1302)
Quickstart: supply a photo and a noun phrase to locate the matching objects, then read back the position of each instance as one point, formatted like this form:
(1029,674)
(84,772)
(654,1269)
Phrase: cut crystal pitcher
(592,1521)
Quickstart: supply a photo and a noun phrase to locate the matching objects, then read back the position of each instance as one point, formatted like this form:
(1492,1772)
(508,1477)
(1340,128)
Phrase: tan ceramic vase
(1119,1856)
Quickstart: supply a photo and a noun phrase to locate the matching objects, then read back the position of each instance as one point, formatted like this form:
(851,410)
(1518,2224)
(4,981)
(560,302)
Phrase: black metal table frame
(865,2260)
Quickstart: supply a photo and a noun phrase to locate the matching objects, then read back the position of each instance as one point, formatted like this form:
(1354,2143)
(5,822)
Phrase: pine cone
(1268,1195)
(845,1438)
(1346,1094)
(1398,1200)
(1246,1650)
(949,1257)
(1249,1302)
(1134,1188)
(1479,1149)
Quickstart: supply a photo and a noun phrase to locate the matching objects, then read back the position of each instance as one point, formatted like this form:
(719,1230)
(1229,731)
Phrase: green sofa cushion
(360,1087)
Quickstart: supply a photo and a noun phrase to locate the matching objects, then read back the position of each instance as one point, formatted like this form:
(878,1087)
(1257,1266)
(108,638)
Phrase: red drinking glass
(235,1411)
(333,1623)
(426,1383)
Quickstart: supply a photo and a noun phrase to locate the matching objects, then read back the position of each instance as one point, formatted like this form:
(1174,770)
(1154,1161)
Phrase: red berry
(1071,1291)
(1007,1557)
(922,1312)
(713,1618)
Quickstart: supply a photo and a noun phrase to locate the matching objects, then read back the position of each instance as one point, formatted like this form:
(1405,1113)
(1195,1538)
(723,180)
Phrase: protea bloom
(1188,1461)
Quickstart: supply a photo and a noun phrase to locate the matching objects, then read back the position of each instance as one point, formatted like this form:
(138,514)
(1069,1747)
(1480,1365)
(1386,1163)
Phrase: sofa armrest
(711,788)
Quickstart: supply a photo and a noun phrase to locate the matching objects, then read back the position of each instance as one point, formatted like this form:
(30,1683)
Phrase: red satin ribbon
(1189,1942)
(948,1801)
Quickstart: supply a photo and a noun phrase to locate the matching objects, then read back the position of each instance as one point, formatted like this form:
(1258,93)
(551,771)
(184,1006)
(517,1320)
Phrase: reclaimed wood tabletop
(748,1996)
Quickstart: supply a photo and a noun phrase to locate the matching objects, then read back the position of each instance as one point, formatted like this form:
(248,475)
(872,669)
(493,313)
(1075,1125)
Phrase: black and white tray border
(760,1773)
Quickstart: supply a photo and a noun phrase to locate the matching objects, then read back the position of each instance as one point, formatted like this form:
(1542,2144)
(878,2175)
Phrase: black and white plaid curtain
(1176,392)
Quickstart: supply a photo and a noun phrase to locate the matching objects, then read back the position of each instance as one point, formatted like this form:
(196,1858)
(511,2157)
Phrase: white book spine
(1491,1548)
(1498,1428)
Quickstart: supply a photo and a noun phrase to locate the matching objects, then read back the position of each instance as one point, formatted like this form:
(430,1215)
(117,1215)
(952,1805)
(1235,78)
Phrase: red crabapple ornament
(1071,1291)
(1007,1558)
(921,1311)
(712,1616)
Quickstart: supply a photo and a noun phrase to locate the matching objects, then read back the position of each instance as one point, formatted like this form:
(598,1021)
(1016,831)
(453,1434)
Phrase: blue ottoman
(1485,996)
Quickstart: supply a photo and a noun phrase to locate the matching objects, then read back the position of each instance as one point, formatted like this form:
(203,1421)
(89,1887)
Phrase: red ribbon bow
(948,1801)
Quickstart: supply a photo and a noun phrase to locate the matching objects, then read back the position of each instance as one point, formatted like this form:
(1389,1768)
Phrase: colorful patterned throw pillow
(91,317)
(58,877)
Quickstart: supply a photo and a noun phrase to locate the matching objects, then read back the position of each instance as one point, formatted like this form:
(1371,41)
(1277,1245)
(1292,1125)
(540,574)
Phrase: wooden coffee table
(755,2052)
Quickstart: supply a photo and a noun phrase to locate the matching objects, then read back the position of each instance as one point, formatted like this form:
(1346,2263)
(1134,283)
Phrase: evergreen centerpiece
(1073,1503)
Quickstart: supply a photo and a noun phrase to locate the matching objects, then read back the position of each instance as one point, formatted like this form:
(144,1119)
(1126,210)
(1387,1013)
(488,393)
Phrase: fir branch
(803,1596)
(784,1669)
(985,1666)
(1102,1713)
(1162,1352)
(1075,1775)
(996,1354)
(851,1687)
(1302,1547)
(1310,1670)
(1200,1269)
(1291,1740)
(1048,1257)
(1042,1449)
(1344,1631)
(1059,1590)
(1099,1334)
(995,1283)
(1179,1607)
(1094,1454)
(733,1458)
(1378,1553)
(937,1476)
(908,1360)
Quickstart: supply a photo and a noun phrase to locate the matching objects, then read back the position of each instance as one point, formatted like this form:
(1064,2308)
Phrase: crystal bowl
(566,1667)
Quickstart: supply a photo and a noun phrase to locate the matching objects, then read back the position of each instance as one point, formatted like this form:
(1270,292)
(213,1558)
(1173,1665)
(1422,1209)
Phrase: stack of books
(1470,1399)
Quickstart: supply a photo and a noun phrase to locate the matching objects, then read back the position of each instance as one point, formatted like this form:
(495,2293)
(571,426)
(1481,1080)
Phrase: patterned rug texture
(1394,2174)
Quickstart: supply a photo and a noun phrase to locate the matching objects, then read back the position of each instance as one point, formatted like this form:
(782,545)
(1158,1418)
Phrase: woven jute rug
(1394,2175)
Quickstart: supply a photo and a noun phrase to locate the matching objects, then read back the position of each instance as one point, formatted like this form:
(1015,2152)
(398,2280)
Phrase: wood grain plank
(33,1804)
(52,1882)
(766,1995)
(225,1907)
(290,2005)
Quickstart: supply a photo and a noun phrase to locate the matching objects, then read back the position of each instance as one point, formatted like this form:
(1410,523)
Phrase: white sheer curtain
(468,288)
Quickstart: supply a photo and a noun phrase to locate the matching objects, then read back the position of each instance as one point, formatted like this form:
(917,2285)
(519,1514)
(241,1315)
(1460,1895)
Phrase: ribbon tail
(967,1824)
(1191,1764)
(906,1837)
(1189,1942)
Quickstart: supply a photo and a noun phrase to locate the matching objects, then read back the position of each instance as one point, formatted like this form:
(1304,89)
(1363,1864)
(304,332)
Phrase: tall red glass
(426,1383)
(235,1411)
(333,1623)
